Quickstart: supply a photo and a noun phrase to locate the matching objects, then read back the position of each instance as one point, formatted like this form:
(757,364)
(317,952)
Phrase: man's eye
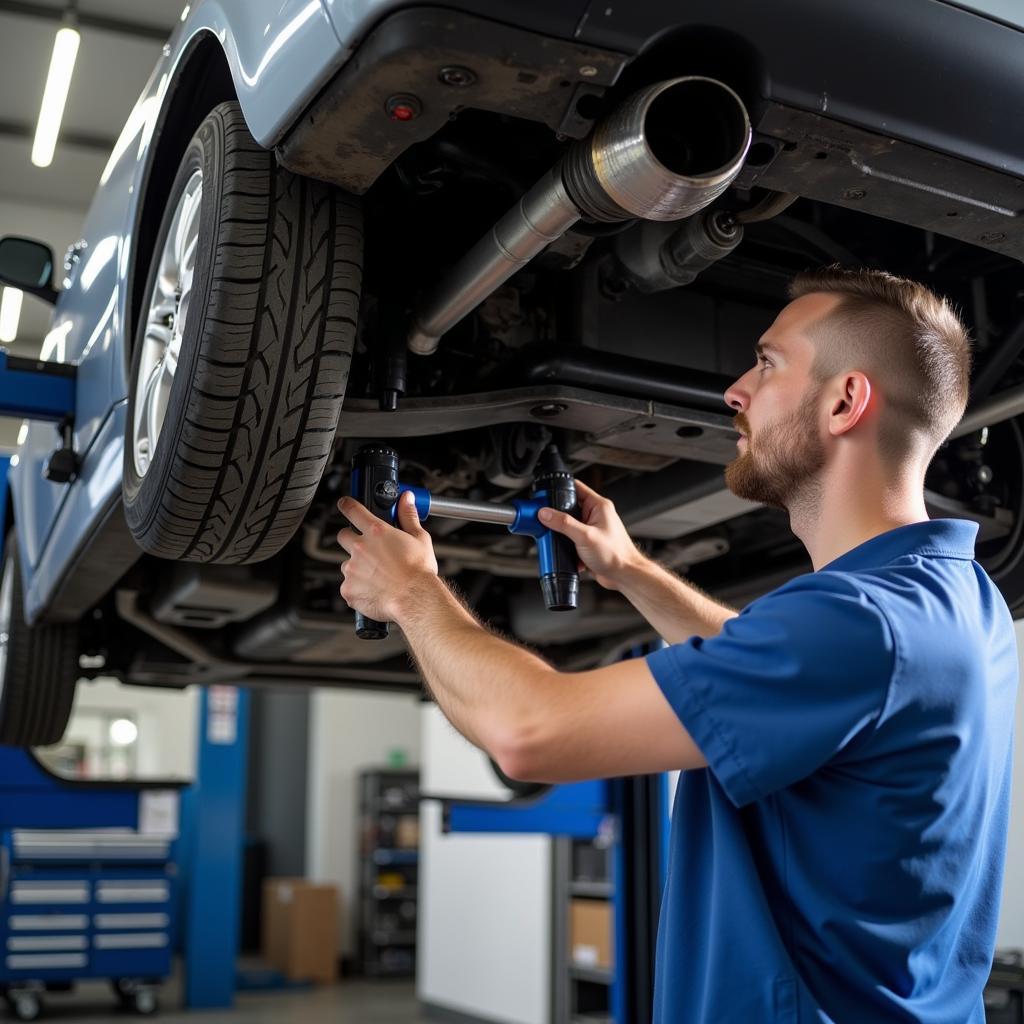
(764,361)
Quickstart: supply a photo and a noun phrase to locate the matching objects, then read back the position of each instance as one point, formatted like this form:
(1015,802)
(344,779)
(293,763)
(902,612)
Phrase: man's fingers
(408,515)
(348,538)
(583,491)
(562,522)
(357,514)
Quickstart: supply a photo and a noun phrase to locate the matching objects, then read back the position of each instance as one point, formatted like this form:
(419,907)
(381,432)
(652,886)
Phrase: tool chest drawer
(76,904)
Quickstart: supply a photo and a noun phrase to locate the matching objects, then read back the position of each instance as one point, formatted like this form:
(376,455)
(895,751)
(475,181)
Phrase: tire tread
(42,671)
(275,348)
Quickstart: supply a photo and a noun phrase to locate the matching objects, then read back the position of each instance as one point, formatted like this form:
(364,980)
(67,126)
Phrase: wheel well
(202,80)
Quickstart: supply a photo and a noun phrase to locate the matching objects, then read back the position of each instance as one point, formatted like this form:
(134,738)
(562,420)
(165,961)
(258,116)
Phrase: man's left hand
(384,562)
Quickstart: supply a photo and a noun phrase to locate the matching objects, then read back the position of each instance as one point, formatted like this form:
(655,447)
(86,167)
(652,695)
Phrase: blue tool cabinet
(85,903)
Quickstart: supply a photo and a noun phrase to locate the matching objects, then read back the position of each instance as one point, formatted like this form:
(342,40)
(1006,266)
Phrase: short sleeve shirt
(840,859)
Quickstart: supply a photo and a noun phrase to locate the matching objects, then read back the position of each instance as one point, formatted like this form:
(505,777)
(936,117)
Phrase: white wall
(349,731)
(168,722)
(1011,914)
(484,942)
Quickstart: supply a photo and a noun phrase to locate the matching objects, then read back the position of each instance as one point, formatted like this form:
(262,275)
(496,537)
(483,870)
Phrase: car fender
(280,52)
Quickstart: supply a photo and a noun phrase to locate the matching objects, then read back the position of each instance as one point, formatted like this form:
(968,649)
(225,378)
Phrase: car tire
(38,665)
(520,790)
(230,428)
(1003,558)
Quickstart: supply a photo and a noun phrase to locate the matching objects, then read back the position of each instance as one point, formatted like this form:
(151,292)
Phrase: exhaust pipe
(667,152)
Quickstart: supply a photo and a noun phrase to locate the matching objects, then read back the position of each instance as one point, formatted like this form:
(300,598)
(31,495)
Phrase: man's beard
(781,466)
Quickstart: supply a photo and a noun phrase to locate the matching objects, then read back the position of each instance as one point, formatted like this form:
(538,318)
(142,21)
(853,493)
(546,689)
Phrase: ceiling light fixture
(10,314)
(58,82)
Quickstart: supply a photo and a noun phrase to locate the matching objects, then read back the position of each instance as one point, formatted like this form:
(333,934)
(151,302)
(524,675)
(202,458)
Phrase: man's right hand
(602,543)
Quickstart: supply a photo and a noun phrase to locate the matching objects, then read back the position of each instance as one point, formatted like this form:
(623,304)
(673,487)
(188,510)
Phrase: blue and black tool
(375,483)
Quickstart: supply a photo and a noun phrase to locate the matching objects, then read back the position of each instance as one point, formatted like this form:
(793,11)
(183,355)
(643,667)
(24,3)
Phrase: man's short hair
(908,341)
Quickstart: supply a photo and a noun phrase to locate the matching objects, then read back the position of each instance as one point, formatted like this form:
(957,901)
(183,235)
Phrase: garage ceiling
(120,45)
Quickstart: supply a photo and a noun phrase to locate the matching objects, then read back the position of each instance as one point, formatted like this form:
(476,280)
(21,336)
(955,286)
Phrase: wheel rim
(165,322)
(6,613)
(26,1007)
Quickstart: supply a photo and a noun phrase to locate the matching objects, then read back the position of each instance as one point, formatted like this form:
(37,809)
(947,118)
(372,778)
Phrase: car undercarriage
(498,314)
(578,349)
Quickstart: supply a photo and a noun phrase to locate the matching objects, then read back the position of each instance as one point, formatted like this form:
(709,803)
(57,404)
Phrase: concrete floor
(353,1001)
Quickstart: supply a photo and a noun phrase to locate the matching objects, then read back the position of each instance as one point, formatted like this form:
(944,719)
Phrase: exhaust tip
(696,128)
(664,154)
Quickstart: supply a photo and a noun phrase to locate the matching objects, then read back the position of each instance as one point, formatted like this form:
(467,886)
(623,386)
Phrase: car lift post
(213,808)
(213,829)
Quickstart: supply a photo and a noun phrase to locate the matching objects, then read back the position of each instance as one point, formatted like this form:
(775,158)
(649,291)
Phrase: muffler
(665,153)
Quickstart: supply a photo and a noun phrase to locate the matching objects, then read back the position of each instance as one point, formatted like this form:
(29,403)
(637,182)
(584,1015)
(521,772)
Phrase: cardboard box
(590,934)
(300,929)
(407,832)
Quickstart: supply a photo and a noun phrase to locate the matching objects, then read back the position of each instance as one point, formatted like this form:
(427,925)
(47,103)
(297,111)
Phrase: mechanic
(839,827)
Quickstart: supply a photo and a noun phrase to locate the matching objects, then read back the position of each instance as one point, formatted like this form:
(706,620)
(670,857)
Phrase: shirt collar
(947,538)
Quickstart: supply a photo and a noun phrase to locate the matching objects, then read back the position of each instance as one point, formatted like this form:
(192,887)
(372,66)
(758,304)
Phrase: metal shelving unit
(620,865)
(582,993)
(599,889)
(389,870)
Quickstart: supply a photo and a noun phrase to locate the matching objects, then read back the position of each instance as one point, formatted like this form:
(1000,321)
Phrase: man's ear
(852,404)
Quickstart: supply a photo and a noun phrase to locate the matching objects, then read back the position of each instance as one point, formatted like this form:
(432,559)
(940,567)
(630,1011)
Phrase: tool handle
(375,484)
(559,575)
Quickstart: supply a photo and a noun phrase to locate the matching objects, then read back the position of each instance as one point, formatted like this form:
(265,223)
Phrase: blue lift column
(213,829)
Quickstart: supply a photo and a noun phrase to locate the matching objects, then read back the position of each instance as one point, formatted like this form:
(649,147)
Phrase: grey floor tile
(353,1001)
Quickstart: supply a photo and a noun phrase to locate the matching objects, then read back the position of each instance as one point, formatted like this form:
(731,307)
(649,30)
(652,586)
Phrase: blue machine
(89,899)
(102,900)
(82,893)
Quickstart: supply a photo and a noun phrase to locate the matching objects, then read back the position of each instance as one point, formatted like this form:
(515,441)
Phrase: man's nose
(737,396)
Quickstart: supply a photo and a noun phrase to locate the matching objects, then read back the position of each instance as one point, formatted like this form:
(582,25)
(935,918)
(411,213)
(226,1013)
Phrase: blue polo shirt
(841,857)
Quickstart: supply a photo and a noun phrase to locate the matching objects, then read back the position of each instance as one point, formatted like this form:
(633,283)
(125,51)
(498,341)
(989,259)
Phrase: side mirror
(28,265)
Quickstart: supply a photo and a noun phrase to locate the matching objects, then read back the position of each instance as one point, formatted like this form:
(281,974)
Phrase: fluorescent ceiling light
(10,313)
(58,81)
(22,433)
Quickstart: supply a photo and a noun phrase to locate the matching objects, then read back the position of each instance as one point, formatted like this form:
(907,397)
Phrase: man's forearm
(675,608)
(489,689)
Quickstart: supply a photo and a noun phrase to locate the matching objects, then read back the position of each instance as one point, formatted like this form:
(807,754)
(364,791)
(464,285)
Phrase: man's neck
(848,509)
